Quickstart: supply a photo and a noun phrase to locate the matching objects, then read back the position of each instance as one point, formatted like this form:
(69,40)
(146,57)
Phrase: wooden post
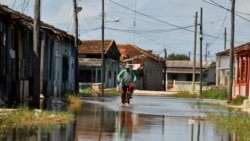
(194,62)
(230,86)
(225,38)
(201,52)
(36,61)
(76,47)
(102,52)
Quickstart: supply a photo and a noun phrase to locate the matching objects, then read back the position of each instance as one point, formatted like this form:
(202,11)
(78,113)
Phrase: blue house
(90,62)
(57,55)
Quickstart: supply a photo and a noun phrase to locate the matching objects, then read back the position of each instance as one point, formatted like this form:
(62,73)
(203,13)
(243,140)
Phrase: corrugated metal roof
(188,64)
(93,62)
(183,70)
(26,21)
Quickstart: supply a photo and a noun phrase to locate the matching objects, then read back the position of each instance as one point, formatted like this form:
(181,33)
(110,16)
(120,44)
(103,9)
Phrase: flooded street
(147,118)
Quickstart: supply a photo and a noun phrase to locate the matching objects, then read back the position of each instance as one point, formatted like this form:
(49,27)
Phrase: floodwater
(147,118)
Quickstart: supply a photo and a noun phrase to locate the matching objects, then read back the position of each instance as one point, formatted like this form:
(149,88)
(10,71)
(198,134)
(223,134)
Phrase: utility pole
(230,86)
(76,47)
(206,55)
(201,53)
(36,57)
(165,70)
(194,61)
(225,38)
(102,50)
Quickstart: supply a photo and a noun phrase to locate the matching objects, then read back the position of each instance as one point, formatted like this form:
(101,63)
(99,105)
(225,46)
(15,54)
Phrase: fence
(173,85)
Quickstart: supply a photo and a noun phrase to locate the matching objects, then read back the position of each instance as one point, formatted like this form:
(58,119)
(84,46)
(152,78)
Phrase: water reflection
(58,133)
(126,125)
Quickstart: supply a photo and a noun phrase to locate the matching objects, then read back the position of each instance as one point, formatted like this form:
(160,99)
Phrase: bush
(215,94)
(238,100)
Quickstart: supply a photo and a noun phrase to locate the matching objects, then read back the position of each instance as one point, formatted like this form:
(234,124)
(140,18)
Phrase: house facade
(242,69)
(56,55)
(149,68)
(180,74)
(90,62)
(222,68)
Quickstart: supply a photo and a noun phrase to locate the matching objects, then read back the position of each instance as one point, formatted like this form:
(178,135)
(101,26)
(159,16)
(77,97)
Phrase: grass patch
(75,102)
(111,91)
(73,99)
(88,90)
(215,94)
(23,117)
(208,94)
(238,100)
(237,124)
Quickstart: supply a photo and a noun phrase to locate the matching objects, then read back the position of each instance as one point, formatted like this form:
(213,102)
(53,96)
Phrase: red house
(242,70)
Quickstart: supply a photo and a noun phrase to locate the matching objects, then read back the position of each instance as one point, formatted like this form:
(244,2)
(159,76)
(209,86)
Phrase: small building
(148,67)
(90,62)
(180,74)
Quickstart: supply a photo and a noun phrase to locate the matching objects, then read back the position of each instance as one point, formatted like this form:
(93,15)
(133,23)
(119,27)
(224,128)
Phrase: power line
(237,13)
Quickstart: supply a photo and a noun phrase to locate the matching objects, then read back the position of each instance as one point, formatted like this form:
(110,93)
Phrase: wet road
(147,118)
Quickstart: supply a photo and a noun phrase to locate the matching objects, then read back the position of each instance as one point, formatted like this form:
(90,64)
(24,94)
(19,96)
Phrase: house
(90,62)
(222,68)
(180,74)
(56,65)
(242,69)
(149,68)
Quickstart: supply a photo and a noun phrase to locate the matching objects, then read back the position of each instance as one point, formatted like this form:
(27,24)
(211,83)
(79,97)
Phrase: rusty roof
(239,48)
(242,48)
(94,46)
(132,51)
(26,21)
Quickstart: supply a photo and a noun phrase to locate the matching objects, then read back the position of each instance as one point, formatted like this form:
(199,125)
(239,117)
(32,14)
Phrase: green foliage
(23,117)
(174,56)
(215,94)
(111,91)
(236,124)
(88,90)
(220,93)
(72,99)
(238,100)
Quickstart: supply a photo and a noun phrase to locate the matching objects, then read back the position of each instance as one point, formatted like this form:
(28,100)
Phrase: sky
(150,25)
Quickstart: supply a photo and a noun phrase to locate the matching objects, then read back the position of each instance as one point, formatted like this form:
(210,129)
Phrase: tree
(174,56)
